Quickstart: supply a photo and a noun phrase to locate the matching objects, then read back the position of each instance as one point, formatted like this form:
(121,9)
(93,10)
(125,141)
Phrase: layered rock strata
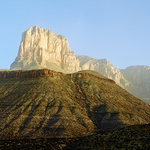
(47,73)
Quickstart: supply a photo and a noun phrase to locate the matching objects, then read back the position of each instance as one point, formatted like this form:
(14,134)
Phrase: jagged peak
(37,27)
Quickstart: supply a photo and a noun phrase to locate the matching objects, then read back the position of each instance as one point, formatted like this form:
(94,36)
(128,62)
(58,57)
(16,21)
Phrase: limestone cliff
(41,48)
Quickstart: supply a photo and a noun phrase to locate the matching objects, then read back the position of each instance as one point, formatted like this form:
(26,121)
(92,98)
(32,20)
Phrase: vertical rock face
(41,48)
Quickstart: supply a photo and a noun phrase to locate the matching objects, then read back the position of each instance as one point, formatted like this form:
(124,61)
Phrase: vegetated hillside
(45,103)
(128,138)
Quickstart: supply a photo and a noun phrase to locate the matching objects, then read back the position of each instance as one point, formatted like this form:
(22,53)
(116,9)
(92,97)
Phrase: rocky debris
(40,48)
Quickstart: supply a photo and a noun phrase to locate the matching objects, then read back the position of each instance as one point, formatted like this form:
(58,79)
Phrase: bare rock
(41,48)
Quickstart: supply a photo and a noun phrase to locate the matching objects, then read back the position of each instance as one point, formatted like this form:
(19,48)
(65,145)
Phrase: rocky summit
(42,48)
(46,103)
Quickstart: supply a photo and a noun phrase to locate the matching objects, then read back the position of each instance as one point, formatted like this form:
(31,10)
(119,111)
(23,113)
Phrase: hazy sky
(118,30)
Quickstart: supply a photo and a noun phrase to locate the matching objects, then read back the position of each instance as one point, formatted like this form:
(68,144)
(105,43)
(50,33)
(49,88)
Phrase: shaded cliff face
(41,48)
(45,103)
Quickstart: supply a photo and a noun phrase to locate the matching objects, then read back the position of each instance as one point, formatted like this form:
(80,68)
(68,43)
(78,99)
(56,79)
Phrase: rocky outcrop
(46,73)
(29,74)
(41,48)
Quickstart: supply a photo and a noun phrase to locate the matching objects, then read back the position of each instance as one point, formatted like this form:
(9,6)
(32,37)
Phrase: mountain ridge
(46,103)
(41,48)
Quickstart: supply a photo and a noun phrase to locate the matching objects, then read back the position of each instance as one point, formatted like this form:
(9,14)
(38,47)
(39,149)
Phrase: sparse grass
(65,106)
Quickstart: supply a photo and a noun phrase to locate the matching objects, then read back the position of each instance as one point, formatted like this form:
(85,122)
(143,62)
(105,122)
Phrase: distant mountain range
(41,48)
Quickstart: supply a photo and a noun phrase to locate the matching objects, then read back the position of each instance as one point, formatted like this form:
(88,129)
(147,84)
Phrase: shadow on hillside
(104,119)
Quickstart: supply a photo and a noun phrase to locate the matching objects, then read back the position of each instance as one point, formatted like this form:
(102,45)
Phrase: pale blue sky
(118,30)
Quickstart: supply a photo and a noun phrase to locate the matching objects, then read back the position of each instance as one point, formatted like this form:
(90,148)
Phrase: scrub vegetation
(47,104)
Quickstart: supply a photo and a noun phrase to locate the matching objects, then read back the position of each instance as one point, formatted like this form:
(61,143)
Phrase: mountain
(135,79)
(139,77)
(46,103)
(41,48)
(104,67)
